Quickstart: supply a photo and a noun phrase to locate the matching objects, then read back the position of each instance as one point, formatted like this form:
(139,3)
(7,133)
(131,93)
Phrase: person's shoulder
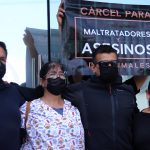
(13,84)
(127,88)
(35,105)
(68,103)
(77,85)
(35,101)
(132,83)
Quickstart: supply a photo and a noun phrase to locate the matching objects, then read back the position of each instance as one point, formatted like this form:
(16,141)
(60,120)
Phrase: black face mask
(108,71)
(56,86)
(2,70)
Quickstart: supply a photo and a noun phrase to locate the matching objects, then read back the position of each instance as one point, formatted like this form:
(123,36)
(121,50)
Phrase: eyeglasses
(112,63)
(55,75)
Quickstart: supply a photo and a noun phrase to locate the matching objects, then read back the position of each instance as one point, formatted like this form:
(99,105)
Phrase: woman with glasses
(52,122)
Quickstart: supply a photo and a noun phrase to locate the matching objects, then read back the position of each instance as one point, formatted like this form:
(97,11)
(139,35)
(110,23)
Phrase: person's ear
(92,66)
(42,83)
(148,94)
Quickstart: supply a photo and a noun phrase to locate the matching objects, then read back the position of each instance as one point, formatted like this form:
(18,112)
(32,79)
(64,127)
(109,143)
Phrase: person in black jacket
(142,127)
(107,106)
(12,97)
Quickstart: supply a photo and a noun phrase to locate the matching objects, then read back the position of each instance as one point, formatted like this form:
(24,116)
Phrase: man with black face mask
(10,101)
(106,104)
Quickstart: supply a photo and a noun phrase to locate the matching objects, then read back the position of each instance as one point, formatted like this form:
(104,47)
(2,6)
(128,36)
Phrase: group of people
(94,114)
(98,114)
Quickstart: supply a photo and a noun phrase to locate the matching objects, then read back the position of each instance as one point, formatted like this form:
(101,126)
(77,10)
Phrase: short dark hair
(149,87)
(103,49)
(3,45)
(47,66)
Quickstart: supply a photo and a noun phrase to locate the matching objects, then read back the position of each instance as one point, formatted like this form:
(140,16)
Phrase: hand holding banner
(126,27)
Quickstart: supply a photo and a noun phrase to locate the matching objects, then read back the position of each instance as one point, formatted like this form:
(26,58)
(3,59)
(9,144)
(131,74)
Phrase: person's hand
(60,15)
(29,42)
(28,39)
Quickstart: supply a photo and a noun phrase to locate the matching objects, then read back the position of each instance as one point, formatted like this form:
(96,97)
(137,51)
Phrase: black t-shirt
(10,101)
(142,131)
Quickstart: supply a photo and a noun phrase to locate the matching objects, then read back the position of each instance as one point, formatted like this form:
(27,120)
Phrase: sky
(16,15)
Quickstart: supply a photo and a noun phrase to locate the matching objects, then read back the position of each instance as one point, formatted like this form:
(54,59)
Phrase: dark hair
(103,49)
(3,45)
(149,87)
(50,65)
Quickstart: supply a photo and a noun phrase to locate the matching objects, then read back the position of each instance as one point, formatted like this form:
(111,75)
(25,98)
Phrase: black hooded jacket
(12,97)
(10,101)
(106,111)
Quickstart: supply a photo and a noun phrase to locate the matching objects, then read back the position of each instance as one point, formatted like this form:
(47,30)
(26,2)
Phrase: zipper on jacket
(113,116)
(110,89)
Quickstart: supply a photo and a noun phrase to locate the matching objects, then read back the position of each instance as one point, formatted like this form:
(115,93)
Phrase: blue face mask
(2,70)
(108,70)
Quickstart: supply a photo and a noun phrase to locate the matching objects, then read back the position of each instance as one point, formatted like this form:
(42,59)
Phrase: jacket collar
(98,81)
(3,85)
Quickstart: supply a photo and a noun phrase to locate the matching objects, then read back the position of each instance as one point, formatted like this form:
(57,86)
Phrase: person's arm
(73,94)
(60,15)
(139,81)
(136,82)
(23,114)
(30,94)
(29,42)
